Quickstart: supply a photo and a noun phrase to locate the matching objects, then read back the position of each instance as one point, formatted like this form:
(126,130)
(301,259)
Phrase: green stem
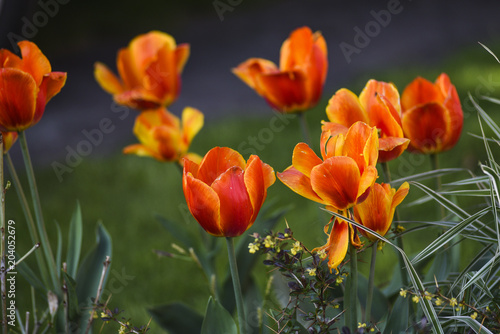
(3,266)
(305,128)
(237,286)
(435,166)
(371,281)
(47,250)
(29,218)
(351,317)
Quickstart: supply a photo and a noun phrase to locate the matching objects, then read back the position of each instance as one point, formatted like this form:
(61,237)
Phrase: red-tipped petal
(217,161)
(391,147)
(285,91)
(299,183)
(34,61)
(420,91)
(258,177)
(251,69)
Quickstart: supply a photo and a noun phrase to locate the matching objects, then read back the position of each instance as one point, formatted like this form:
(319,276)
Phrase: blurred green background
(125,192)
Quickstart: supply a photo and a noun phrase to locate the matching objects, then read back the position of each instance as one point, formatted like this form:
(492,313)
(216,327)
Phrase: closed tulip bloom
(298,83)
(224,192)
(9,138)
(377,211)
(26,85)
(345,174)
(432,115)
(378,105)
(149,70)
(163,136)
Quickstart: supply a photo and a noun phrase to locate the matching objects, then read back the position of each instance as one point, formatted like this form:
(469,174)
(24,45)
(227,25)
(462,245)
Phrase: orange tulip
(224,193)
(163,137)
(378,105)
(9,138)
(432,115)
(338,242)
(377,211)
(26,85)
(298,83)
(346,173)
(149,69)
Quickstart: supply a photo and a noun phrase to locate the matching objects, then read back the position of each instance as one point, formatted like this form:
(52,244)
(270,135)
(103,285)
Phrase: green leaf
(399,316)
(472,264)
(380,305)
(481,273)
(59,246)
(73,309)
(74,241)
(177,318)
(491,52)
(472,323)
(217,319)
(25,271)
(179,232)
(90,271)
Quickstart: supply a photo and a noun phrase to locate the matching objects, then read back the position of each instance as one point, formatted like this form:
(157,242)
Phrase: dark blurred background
(76,33)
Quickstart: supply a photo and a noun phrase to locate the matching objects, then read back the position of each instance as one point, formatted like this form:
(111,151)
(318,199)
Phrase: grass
(125,193)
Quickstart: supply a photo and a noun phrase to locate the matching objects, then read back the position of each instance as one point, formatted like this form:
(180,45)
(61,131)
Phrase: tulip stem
(236,285)
(29,217)
(371,281)
(305,128)
(47,250)
(3,266)
(351,316)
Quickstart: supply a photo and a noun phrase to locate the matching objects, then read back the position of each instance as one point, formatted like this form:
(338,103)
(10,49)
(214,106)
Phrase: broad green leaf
(25,271)
(179,232)
(380,305)
(177,318)
(217,319)
(73,309)
(74,241)
(398,320)
(447,237)
(472,323)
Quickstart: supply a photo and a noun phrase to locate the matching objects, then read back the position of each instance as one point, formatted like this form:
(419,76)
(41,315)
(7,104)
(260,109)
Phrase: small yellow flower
(339,280)
(361,325)
(104,315)
(322,254)
(311,271)
(415,299)
(474,315)
(400,229)
(428,295)
(252,248)
(269,242)
(372,329)
(402,293)
(438,301)
(296,248)
(286,235)
(453,302)
(380,245)
(122,329)
(336,306)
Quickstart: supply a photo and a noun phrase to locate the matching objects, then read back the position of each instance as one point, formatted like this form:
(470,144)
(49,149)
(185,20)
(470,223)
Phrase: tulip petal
(361,144)
(391,147)
(368,97)
(192,122)
(367,180)
(257,179)
(138,99)
(217,161)
(141,150)
(336,181)
(236,210)
(299,183)
(452,103)
(285,91)
(427,127)
(144,48)
(18,92)
(9,138)
(161,77)
(332,139)
(400,194)
(127,70)
(344,108)
(375,211)
(203,203)
(52,84)
(337,244)
(107,79)
(251,69)
(8,59)
(34,61)
(304,159)
(420,91)
(181,55)
(296,50)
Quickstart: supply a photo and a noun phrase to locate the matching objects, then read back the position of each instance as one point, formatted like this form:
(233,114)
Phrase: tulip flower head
(9,138)
(378,105)
(298,83)
(149,70)
(224,192)
(164,137)
(377,211)
(432,115)
(26,85)
(345,174)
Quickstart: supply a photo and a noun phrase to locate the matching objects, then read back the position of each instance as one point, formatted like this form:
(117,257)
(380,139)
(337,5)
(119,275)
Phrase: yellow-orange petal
(361,144)
(375,212)
(196,158)
(368,97)
(203,203)
(258,177)
(138,99)
(299,183)
(304,159)
(251,69)
(367,180)
(285,91)
(427,126)
(420,91)
(236,209)
(338,243)
(141,150)
(336,182)
(167,141)
(18,93)
(217,161)
(332,139)
(344,108)
(107,79)
(34,61)
(128,70)
(296,50)
(52,84)
(161,77)
(144,48)
(192,122)
(9,138)
(400,194)
(182,54)
(9,59)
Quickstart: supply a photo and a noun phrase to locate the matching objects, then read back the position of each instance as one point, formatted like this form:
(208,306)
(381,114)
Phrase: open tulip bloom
(149,70)
(432,115)
(378,105)
(164,137)
(298,83)
(26,85)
